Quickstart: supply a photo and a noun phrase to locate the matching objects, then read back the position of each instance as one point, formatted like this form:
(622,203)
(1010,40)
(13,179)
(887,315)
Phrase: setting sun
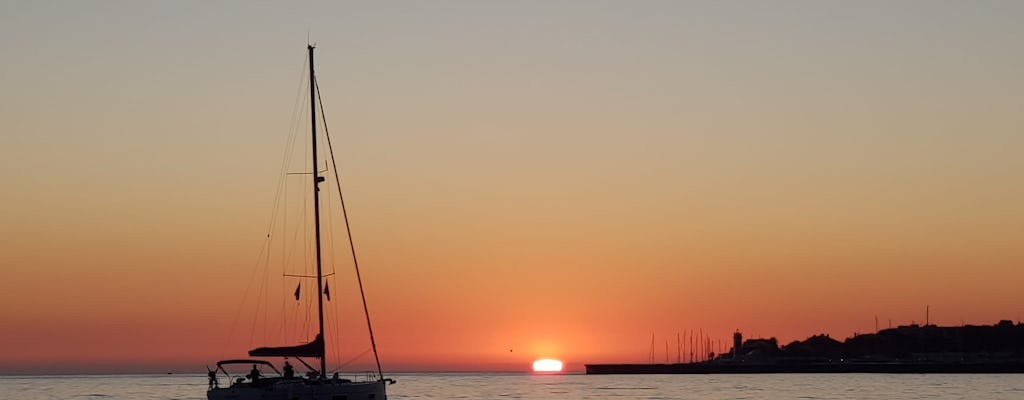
(547,365)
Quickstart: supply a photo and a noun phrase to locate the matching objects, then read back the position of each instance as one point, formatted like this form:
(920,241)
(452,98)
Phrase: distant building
(737,344)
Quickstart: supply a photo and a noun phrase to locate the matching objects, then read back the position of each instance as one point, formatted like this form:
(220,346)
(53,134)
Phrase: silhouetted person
(289,372)
(213,378)
(254,374)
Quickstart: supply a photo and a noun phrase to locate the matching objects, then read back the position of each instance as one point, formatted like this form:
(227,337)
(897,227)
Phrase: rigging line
(351,360)
(280,330)
(245,295)
(265,249)
(337,305)
(280,215)
(266,302)
(290,253)
(297,113)
(260,294)
(280,204)
(329,255)
(308,308)
(286,252)
(333,318)
(263,304)
(348,229)
(284,257)
(260,300)
(291,247)
(283,261)
(337,325)
(330,260)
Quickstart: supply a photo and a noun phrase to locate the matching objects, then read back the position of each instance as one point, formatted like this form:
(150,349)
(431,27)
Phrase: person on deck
(254,375)
(289,371)
(213,379)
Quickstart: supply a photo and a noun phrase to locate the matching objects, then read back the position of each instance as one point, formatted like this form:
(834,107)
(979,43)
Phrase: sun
(547,365)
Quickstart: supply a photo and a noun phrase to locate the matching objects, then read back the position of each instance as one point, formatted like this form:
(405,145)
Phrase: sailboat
(316,384)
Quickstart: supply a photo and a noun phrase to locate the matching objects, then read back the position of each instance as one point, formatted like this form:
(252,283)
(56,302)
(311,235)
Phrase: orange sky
(558,180)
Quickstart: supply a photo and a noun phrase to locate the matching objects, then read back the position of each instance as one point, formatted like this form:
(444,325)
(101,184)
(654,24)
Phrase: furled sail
(311,349)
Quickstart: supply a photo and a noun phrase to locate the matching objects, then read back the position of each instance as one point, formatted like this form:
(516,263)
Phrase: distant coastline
(912,348)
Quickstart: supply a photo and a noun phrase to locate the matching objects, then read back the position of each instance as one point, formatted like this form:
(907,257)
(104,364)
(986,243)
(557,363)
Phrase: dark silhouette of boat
(317,384)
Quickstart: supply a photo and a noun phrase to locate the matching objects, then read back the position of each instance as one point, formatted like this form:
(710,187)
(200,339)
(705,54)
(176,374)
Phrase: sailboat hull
(301,390)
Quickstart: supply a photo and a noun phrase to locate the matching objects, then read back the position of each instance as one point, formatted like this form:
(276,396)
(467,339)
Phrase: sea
(564,386)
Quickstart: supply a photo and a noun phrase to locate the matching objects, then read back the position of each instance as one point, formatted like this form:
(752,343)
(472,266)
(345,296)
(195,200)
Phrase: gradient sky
(559,179)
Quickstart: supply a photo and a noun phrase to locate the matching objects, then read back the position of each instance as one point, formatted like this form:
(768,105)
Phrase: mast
(316,215)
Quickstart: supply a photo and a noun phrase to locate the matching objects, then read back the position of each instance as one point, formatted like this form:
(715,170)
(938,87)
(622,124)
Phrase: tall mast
(316,216)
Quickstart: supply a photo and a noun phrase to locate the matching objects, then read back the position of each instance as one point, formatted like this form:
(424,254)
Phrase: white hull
(301,389)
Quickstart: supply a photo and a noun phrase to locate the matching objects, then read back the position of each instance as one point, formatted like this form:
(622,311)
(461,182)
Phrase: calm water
(524,386)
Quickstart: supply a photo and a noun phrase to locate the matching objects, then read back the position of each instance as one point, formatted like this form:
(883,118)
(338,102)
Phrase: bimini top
(228,362)
(311,349)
